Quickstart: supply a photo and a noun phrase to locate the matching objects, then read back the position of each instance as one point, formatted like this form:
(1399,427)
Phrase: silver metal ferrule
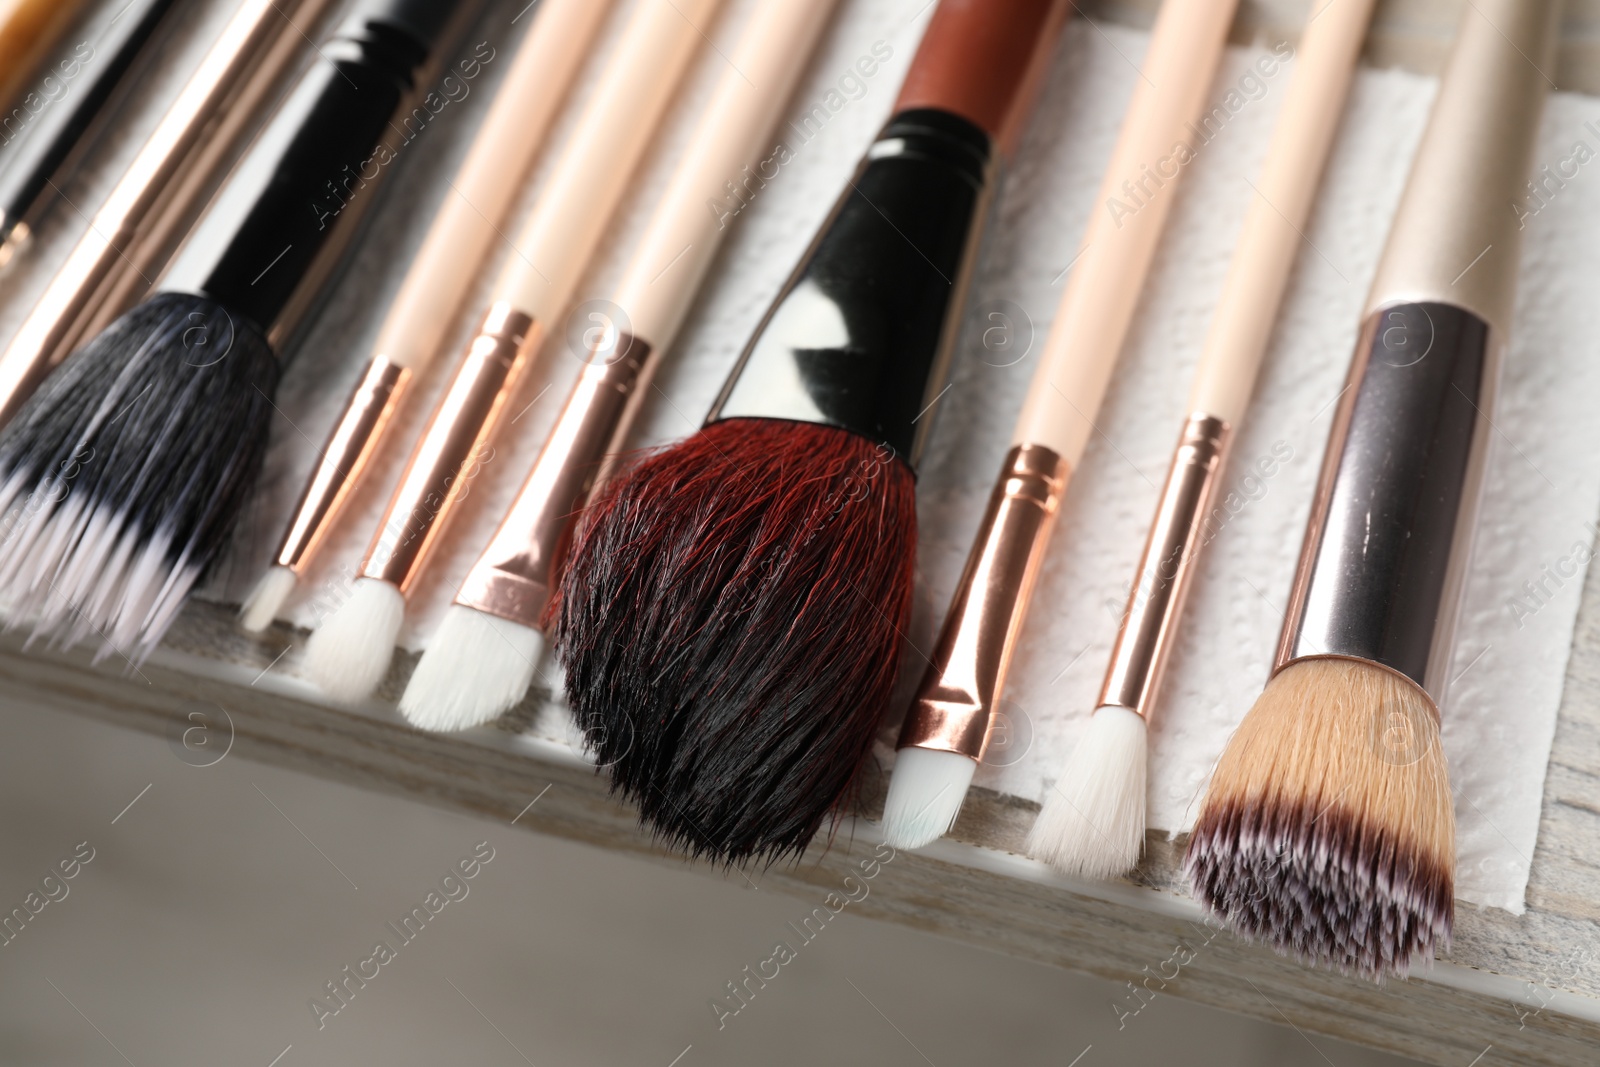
(1390,532)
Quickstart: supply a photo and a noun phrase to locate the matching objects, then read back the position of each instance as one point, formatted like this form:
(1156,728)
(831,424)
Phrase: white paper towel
(1544,473)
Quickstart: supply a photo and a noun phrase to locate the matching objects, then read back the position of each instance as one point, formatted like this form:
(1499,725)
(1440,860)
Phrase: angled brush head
(476,667)
(730,625)
(925,795)
(261,606)
(349,654)
(1092,823)
(120,479)
(1328,829)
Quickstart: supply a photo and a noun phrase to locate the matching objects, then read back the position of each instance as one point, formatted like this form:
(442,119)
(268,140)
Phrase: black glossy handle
(860,336)
(315,165)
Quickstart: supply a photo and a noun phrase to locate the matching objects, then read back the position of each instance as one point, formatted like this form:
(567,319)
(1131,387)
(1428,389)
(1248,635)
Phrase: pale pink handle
(730,158)
(1103,287)
(481,194)
(623,114)
(1271,237)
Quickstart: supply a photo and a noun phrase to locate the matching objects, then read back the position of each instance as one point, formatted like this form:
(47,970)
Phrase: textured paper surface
(1544,470)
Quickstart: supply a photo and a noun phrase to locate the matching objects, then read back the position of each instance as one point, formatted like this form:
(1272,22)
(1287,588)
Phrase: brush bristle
(1328,829)
(925,795)
(349,654)
(120,479)
(262,605)
(476,666)
(730,624)
(1092,822)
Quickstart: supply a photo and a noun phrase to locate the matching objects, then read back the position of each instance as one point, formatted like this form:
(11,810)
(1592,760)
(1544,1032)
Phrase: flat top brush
(947,727)
(120,478)
(731,618)
(483,657)
(349,653)
(1328,827)
(481,195)
(134,233)
(1093,821)
(59,119)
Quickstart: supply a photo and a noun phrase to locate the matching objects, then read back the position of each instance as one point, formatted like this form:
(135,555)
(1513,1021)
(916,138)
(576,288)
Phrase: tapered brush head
(925,795)
(730,625)
(1328,829)
(476,667)
(1092,822)
(349,654)
(120,479)
(261,606)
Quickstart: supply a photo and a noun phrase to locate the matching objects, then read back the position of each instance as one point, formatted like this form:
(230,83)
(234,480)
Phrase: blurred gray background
(217,906)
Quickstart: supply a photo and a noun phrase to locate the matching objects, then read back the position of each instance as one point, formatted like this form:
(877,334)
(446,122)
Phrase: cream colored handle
(1271,237)
(1138,189)
(592,174)
(482,192)
(729,159)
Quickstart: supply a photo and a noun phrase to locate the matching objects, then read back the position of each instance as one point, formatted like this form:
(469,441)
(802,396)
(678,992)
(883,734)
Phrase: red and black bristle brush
(732,617)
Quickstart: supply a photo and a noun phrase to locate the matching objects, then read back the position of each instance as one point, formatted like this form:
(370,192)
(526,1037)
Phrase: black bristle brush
(122,476)
(733,614)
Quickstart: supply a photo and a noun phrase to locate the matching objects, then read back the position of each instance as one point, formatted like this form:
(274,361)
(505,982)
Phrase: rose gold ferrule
(454,448)
(367,416)
(517,573)
(1144,640)
(954,705)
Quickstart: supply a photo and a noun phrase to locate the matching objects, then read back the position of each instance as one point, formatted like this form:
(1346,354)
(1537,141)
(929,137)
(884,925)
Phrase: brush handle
(61,131)
(984,60)
(265,243)
(28,30)
(516,574)
(1129,214)
(482,192)
(1271,237)
(467,224)
(133,233)
(607,143)
(1456,237)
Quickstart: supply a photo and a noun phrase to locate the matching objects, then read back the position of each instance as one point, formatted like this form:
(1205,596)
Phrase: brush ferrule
(367,415)
(1144,640)
(954,705)
(861,334)
(517,573)
(454,448)
(1386,547)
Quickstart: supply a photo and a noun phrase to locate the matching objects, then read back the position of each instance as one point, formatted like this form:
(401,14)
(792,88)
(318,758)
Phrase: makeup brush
(135,232)
(350,652)
(732,616)
(947,727)
(29,29)
(1328,828)
(56,121)
(482,659)
(121,477)
(1093,820)
(480,197)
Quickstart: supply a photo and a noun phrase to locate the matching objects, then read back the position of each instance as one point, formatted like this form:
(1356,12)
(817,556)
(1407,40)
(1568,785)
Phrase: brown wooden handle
(983,60)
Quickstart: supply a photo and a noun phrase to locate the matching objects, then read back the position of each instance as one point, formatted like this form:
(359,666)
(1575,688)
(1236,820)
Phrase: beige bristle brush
(1328,828)
(483,657)
(481,195)
(349,654)
(1093,821)
(947,726)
